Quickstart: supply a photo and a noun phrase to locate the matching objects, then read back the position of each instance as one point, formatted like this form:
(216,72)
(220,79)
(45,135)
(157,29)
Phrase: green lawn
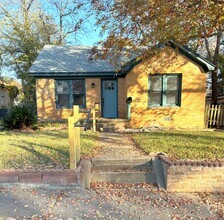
(41,149)
(183,144)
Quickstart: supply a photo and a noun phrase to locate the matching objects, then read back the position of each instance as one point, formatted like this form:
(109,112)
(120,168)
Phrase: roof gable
(201,61)
(195,57)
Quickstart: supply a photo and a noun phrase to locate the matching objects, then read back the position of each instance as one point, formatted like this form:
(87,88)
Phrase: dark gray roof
(68,59)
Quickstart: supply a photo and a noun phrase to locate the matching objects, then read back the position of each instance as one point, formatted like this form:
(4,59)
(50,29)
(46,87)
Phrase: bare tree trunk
(215,72)
(214,86)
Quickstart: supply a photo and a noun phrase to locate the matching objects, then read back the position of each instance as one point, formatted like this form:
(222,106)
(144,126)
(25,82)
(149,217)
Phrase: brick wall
(39,176)
(122,95)
(46,106)
(93,94)
(45,93)
(191,112)
(193,176)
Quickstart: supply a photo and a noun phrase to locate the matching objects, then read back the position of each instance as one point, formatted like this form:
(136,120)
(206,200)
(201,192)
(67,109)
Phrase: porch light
(93,85)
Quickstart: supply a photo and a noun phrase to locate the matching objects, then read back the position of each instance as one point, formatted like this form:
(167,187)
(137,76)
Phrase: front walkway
(117,146)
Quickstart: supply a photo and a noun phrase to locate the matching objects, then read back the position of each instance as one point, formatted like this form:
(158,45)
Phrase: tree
(68,17)
(145,24)
(221,74)
(27,25)
(25,29)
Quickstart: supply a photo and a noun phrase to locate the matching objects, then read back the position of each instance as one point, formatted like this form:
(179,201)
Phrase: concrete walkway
(106,202)
(118,145)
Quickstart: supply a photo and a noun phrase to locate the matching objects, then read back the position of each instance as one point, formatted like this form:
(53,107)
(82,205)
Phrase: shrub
(19,117)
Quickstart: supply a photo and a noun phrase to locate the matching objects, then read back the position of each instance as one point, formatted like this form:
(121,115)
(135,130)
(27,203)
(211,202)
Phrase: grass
(193,145)
(40,149)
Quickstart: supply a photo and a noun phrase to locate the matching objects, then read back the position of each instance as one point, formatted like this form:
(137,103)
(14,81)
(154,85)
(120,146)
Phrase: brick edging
(171,163)
(63,177)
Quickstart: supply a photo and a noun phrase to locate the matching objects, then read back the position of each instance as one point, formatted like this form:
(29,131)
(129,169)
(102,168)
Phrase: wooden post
(94,117)
(218,116)
(76,132)
(72,151)
(206,116)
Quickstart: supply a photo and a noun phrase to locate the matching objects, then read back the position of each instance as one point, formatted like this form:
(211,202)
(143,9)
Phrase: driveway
(106,201)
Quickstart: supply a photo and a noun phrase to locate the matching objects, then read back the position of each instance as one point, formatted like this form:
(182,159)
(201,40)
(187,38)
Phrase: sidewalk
(106,202)
(118,145)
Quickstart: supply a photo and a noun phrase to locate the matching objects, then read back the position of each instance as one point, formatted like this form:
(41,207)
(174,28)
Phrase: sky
(89,35)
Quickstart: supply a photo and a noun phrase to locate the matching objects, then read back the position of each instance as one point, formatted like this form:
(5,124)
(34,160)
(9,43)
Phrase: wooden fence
(214,116)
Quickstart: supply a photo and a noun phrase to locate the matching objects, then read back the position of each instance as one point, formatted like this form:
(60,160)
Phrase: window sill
(66,108)
(163,107)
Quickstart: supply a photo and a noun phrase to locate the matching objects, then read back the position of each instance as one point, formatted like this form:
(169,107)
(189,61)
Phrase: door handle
(103,102)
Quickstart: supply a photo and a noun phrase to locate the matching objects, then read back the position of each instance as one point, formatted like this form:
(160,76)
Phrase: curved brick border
(169,162)
(63,177)
(192,176)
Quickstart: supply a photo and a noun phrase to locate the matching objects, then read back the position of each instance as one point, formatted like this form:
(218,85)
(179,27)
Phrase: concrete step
(129,171)
(111,125)
(129,177)
(144,163)
(160,173)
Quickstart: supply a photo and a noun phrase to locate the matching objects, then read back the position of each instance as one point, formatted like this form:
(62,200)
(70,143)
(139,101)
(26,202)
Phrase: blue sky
(90,37)
(87,36)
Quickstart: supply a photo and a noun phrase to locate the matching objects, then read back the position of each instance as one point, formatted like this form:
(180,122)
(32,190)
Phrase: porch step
(124,177)
(122,164)
(111,125)
(129,171)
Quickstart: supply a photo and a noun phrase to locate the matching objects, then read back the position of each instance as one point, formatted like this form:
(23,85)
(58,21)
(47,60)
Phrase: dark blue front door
(109,98)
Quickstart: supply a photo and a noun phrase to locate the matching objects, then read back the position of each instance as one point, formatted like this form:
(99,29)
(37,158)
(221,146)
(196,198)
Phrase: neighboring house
(5,101)
(167,90)
(220,99)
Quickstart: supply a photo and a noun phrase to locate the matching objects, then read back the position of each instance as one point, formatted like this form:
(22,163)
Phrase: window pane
(62,101)
(155,98)
(109,86)
(78,86)
(155,83)
(62,87)
(79,100)
(172,97)
(172,82)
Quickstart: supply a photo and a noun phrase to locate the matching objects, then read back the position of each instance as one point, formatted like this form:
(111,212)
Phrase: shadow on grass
(50,134)
(38,158)
(87,136)
(37,154)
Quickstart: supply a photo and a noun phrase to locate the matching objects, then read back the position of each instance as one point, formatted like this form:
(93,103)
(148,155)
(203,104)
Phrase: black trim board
(77,74)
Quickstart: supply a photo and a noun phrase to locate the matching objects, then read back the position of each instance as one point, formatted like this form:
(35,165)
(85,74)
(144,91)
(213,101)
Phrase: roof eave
(206,65)
(75,74)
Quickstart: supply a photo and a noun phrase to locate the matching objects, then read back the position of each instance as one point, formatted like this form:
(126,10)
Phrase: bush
(19,117)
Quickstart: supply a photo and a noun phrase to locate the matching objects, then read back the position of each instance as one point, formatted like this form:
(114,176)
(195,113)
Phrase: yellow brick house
(167,90)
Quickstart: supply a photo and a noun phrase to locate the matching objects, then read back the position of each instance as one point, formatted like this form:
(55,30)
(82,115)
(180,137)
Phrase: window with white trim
(164,90)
